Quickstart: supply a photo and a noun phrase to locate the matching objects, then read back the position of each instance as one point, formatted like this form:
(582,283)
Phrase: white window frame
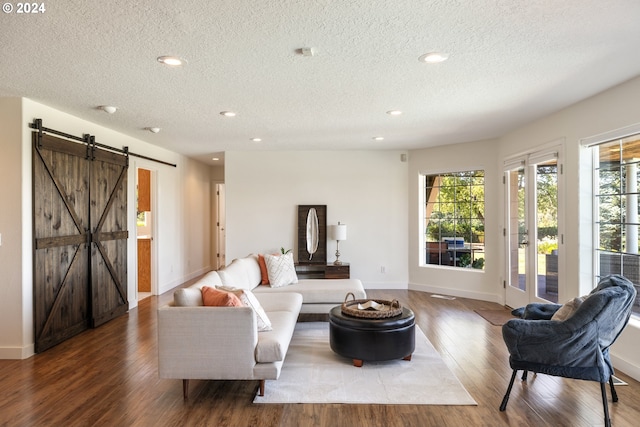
(591,142)
(421,200)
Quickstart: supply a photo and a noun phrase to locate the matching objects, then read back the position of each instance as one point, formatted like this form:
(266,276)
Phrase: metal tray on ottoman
(363,339)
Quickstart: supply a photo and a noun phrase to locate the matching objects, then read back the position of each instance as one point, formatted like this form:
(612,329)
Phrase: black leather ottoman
(372,339)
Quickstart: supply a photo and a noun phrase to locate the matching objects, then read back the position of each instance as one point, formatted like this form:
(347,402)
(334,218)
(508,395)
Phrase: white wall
(196,233)
(367,190)
(182,207)
(462,282)
(11,209)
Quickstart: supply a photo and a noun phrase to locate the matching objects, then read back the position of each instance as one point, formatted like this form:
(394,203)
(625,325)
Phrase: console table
(323,271)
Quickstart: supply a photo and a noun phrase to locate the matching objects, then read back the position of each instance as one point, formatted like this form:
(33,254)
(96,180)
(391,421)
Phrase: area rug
(496,317)
(313,373)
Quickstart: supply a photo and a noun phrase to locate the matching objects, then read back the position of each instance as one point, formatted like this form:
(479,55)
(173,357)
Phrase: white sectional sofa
(223,343)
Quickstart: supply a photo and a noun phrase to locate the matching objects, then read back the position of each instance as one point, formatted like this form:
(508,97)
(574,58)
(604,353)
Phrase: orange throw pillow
(214,298)
(263,270)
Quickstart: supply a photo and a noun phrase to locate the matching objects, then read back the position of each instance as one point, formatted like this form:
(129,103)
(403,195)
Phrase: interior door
(80,232)
(532,230)
(61,236)
(108,180)
(221,235)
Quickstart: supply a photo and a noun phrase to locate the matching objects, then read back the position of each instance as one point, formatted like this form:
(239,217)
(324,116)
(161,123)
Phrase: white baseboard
(625,366)
(385,285)
(196,273)
(175,283)
(456,292)
(17,353)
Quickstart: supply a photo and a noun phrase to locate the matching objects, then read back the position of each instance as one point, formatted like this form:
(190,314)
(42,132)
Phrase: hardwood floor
(108,377)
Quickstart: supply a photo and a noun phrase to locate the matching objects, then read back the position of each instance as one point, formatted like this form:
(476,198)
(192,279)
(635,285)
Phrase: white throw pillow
(250,300)
(187,297)
(281,270)
(568,309)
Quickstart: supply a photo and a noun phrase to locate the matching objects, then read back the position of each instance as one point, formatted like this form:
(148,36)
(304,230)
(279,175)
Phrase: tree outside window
(617,196)
(453,215)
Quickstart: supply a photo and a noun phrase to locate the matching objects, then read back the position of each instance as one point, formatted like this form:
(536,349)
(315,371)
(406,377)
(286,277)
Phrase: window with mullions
(453,219)
(616,199)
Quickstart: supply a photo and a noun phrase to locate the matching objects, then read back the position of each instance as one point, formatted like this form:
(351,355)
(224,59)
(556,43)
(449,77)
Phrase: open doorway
(144,232)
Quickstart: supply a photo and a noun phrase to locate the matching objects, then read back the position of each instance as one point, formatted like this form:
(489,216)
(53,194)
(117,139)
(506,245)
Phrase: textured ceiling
(510,62)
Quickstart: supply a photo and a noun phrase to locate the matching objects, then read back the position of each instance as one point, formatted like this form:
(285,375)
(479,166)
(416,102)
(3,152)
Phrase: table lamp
(338,232)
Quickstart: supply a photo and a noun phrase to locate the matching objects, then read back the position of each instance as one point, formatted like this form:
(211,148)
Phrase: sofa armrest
(206,342)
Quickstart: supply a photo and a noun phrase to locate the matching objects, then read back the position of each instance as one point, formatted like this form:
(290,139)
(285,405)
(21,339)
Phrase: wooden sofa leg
(185,389)
(261,393)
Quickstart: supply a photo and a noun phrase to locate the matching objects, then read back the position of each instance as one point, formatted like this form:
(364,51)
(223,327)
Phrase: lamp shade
(339,232)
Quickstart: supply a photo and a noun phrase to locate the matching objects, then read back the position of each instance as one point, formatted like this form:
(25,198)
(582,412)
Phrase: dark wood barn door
(61,221)
(109,236)
(80,232)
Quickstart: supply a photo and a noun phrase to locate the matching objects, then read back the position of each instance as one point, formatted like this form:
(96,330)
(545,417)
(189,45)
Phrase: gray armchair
(577,347)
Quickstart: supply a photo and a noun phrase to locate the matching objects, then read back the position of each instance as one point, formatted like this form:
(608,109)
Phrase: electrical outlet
(383,269)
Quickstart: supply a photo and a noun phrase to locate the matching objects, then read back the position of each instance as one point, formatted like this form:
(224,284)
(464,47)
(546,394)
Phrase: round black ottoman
(372,339)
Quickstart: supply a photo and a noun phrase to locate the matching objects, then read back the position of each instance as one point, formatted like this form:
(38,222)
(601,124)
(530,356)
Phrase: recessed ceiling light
(378,138)
(394,112)
(173,61)
(256,139)
(108,108)
(228,113)
(433,57)
(215,159)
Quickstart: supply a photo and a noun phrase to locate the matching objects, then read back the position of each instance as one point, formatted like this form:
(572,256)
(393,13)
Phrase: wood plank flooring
(108,377)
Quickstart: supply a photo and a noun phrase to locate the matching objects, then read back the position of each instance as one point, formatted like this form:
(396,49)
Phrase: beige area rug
(496,317)
(312,373)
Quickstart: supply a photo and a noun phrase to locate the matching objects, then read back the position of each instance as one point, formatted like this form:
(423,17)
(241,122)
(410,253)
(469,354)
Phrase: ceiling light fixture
(153,130)
(434,57)
(215,159)
(378,138)
(172,61)
(256,139)
(394,112)
(228,113)
(108,108)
